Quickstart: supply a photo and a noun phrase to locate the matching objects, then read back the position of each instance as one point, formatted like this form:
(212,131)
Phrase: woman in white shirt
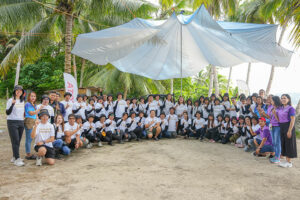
(15,122)
(168,103)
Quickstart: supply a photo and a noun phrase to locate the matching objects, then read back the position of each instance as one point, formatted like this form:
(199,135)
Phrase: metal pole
(181,55)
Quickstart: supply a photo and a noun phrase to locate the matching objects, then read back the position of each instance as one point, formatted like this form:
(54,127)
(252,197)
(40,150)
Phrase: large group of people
(258,124)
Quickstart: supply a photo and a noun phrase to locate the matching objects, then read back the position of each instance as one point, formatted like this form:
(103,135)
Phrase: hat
(18,87)
(43,112)
(67,93)
(45,97)
(263,119)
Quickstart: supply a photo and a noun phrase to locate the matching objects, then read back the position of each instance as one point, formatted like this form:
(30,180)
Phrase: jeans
(59,144)
(15,130)
(28,140)
(276,140)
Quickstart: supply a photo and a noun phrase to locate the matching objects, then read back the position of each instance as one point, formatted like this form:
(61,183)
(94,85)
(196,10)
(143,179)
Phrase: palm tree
(249,12)
(215,8)
(57,22)
(112,80)
(284,11)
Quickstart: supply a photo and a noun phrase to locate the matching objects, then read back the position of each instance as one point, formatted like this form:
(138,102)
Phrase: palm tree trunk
(171,85)
(211,80)
(18,70)
(74,67)
(125,93)
(68,41)
(82,72)
(273,67)
(18,66)
(216,81)
(248,73)
(229,79)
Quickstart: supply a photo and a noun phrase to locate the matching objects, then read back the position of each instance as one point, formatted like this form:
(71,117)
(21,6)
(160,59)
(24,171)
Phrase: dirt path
(168,169)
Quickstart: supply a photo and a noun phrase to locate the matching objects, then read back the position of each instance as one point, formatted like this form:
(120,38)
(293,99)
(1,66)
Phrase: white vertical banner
(71,86)
(243,87)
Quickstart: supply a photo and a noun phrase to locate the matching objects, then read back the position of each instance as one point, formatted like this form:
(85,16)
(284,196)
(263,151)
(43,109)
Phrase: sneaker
(19,162)
(32,157)
(156,139)
(286,164)
(274,160)
(12,160)
(89,146)
(38,161)
(100,144)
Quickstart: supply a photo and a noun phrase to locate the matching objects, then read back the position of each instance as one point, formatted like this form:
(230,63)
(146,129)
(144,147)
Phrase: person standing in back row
(15,122)
(68,105)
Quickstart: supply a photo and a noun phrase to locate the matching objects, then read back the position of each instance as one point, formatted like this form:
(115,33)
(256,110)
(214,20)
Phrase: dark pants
(226,138)
(212,134)
(138,132)
(288,145)
(113,136)
(15,129)
(199,133)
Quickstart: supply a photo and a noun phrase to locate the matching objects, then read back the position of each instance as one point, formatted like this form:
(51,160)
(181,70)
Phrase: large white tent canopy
(181,46)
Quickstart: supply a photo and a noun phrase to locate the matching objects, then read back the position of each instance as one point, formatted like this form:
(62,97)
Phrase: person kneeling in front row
(264,146)
(43,132)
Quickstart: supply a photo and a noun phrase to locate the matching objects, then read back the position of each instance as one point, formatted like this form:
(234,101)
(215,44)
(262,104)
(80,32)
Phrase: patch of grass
(2,106)
(298,134)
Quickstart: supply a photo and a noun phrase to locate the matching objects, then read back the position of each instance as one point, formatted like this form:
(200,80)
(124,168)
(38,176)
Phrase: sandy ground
(168,169)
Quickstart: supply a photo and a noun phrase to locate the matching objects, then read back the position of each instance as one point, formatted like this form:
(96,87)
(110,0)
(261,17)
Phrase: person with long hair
(59,128)
(275,128)
(286,115)
(31,112)
(15,122)
(168,103)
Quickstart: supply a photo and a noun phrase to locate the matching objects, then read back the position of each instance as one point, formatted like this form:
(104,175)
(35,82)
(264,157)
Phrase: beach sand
(168,169)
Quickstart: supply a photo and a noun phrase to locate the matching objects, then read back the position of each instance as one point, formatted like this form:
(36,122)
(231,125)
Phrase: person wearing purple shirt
(275,128)
(265,145)
(286,115)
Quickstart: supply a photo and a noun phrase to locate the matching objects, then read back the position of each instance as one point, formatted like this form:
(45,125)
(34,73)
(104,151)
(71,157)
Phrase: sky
(286,80)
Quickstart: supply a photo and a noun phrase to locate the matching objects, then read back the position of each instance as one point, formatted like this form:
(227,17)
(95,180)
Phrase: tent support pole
(181,55)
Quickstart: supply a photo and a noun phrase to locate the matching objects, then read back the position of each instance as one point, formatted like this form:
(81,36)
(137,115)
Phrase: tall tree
(46,23)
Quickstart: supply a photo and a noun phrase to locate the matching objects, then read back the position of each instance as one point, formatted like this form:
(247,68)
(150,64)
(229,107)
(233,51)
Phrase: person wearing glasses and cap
(68,104)
(15,122)
(45,105)
(43,133)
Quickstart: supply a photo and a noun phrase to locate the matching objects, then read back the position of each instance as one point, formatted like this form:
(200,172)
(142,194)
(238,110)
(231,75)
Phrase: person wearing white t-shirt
(198,126)
(68,104)
(141,123)
(60,135)
(206,108)
(45,105)
(134,132)
(89,132)
(73,133)
(196,108)
(141,105)
(234,108)
(43,133)
(151,105)
(79,107)
(173,123)
(163,124)
(226,104)
(152,126)
(120,106)
(250,146)
(109,105)
(133,107)
(217,108)
(122,127)
(111,129)
(159,105)
(99,109)
(15,109)
(185,125)
(168,103)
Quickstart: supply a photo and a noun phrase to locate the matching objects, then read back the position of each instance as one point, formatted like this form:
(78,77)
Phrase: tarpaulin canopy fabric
(181,46)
